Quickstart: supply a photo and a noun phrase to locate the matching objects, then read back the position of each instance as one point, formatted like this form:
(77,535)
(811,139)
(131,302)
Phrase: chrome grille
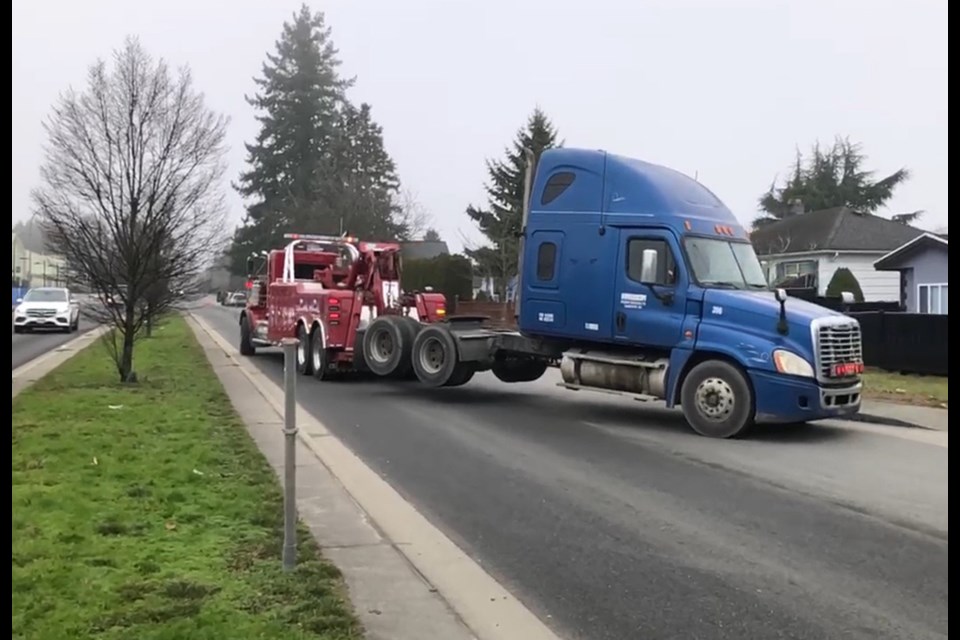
(838,342)
(41,313)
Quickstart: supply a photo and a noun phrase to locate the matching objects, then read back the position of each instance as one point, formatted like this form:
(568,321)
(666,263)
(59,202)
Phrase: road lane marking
(487,607)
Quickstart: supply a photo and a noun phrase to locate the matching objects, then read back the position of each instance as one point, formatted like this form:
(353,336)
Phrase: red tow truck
(326,291)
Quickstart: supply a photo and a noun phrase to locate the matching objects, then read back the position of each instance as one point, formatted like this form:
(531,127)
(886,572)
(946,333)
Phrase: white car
(46,308)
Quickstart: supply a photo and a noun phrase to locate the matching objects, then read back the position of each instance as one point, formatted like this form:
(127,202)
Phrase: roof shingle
(837,229)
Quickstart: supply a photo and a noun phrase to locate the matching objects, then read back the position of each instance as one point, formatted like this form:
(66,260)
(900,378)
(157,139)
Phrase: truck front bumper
(784,399)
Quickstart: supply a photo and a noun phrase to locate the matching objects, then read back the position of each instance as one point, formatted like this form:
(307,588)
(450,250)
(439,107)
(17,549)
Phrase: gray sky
(721,88)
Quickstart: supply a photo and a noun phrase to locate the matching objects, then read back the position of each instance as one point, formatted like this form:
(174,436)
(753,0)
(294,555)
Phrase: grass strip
(147,511)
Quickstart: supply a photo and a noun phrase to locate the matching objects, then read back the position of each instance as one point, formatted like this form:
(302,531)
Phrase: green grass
(147,512)
(905,388)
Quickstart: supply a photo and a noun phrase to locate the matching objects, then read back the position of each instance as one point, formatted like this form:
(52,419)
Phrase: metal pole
(290,453)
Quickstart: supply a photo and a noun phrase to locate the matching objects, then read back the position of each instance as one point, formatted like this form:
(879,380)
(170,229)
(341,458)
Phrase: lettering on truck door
(649,314)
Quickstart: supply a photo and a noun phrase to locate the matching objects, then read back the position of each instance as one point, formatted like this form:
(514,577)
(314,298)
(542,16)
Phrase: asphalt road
(611,520)
(27,346)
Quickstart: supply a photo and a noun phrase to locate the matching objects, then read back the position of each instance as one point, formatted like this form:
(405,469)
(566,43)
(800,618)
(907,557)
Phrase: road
(27,346)
(611,520)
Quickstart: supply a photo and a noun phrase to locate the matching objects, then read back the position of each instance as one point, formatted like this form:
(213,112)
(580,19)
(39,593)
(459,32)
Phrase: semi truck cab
(635,267)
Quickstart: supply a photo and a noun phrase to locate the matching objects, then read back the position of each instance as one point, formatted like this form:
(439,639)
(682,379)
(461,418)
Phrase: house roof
(837,229)
(424,249)
(891,261)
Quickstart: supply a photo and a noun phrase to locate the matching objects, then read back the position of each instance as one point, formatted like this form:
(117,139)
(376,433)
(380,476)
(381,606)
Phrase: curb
(890,422)
(28,373)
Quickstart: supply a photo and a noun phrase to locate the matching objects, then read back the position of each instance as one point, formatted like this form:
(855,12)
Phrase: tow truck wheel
(386,346)
(717,400)
(411,327)
(461,375)
(435,356)
(246,343)
(319,357)
(304,361)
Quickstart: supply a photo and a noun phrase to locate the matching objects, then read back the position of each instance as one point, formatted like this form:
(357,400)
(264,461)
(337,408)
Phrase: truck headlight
(791,364)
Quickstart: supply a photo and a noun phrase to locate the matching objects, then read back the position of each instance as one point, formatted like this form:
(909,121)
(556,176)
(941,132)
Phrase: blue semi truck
(637,280)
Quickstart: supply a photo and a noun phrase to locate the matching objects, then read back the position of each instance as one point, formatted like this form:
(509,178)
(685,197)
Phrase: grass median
(930,391)
(147,512)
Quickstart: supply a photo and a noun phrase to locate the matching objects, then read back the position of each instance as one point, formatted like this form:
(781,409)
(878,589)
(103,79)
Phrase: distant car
(47,308)
(236,299)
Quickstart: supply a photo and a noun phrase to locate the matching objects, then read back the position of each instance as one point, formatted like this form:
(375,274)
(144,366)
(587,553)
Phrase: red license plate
(846,369)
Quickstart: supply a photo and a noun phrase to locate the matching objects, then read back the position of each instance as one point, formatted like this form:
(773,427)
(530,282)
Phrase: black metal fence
(905,342)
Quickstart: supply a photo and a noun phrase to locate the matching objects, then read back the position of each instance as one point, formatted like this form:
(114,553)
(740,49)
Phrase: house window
(556,185)
(546,261)
(798,274)
(932,298)
(666,264)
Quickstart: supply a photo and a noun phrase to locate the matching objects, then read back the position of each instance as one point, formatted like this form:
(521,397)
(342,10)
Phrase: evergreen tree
(431,235)
(300,96)
(834,177)
(365,191)
(501,220)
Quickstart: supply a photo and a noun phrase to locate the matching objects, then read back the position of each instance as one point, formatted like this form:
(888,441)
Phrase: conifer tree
(500,221)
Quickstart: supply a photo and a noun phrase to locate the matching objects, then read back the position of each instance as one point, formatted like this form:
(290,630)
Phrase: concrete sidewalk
(902,415)
(406,580)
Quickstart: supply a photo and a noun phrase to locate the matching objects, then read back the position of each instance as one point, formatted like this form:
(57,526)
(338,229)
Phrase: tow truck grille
(838,344)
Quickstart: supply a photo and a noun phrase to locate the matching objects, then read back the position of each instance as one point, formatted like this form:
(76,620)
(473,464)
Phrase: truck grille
(838,341)
(41,313)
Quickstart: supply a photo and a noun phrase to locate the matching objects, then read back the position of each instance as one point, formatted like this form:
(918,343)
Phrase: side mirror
(19,300)
(846,297)
(249,266)
(648,266)
(781,295)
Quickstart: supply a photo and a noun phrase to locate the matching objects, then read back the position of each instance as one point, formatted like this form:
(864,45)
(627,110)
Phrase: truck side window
(557,184)
(666,264)
(546,261)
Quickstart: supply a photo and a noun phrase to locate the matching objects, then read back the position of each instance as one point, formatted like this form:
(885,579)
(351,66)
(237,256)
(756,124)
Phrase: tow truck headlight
(791,364)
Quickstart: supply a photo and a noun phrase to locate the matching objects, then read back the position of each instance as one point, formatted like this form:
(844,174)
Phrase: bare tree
(130,190)
(413,216)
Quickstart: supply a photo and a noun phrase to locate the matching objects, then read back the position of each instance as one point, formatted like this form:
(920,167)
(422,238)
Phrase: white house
(806,249)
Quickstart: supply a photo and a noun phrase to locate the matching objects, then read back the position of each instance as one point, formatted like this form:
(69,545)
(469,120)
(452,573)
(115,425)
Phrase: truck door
(646,314)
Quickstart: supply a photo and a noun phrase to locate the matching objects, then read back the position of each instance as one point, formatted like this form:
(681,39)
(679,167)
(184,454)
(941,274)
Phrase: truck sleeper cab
(656,285)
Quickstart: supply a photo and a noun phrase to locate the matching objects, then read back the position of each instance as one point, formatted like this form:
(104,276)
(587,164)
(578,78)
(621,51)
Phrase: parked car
(236,299)
(46,308)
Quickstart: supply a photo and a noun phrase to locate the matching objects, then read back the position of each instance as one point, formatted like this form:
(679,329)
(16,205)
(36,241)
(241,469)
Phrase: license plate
(846,369)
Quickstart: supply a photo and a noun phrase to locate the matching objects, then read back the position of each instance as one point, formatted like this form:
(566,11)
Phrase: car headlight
(791,364)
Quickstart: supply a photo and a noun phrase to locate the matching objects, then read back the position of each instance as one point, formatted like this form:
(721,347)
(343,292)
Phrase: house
(423,249)
(923,272)
(810,247)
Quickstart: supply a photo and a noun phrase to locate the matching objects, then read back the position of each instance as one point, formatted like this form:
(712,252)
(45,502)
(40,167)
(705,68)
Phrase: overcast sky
(719,88)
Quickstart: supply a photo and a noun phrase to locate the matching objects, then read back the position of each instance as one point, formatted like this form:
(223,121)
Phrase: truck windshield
(725,264)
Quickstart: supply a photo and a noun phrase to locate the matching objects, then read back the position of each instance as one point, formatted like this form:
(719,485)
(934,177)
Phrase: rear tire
(461,375)
(519,370)
(435,357)
(717,400)
(304,362)
(246,338)
(319,356)
(387,345)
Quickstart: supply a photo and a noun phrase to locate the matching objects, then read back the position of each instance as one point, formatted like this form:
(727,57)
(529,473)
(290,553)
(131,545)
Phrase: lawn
(905,388)
(147,512)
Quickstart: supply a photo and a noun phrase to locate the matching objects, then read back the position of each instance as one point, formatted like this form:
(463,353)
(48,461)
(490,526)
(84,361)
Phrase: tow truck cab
(625,255)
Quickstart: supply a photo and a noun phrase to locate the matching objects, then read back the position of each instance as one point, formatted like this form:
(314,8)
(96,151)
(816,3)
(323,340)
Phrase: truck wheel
(513,370)
(319,356)
(461,375)
(386,346)
(717,400)
(246,342)
(304,362)
(411,327)
(435,356)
